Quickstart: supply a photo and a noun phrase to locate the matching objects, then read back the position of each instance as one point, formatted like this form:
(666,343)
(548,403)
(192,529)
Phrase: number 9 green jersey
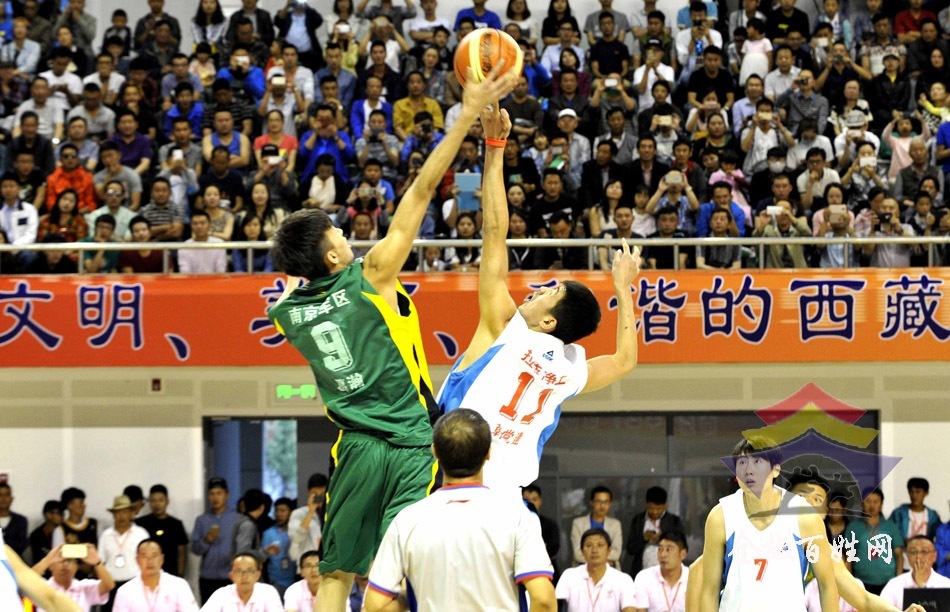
(367,359)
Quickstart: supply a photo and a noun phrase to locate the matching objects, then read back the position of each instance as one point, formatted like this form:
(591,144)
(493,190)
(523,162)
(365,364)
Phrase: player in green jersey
(356,325)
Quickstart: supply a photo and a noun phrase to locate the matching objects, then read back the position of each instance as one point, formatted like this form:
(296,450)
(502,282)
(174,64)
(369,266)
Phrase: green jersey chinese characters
(367,359)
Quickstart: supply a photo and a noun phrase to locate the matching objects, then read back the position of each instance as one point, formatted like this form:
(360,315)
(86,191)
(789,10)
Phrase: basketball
(482,50)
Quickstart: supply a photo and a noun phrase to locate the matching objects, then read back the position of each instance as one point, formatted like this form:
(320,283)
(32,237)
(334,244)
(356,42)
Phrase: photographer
(423,138)
(690,43)
(803,101)
(305,522)
(887,223)
(779,221)
(375,143)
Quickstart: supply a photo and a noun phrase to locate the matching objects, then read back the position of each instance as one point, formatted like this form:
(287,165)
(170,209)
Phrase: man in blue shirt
(247,80)
(213,539)
(345,79)
(281,569)
(483,17)
(721,198)
(323,137)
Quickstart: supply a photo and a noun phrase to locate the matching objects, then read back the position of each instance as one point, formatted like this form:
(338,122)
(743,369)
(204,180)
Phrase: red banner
(685,317)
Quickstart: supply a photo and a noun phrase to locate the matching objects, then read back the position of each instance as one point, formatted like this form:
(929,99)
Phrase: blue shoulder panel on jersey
(801,558)
(459,382)
(547,431)
(730,546)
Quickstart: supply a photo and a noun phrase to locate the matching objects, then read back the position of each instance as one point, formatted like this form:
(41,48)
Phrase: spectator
(14,525)
(22,51)
(166,217)
(862,175)
(802,101)
(382,31)
(880,46)
(242,112)
(40,26)
(19,220)
(594,29)
(887,223)
(661,257)
(916,519)
(596,174)
(482,17)
(714,256)
(835,225)
(273,173)
(392,86)
(305,522)
(560,227)
(783,76)
(261,23)
(922,553)
(647,528)
(376,143)
(276,135)
(15,90)
(172,591)
(185,107)
(691,43)
(41,538)
(900,144)
(166,531)
(652,71)
(31,182)
(539,79)
(133,98)
(52,262)
(839,70)
(362,108)
(551,58)
(80,23)
(63,219)
(228,181)
(86,592)
(646,170)
(108,79)
(118,545)
(609,54)
(422,29)
(327,190)
(652,581)
(221,219)
(785,19)
(276,98)
(244,588)
(601,498)
(247,80)
(209,24)
(250,230)
(432,73)
(212,539)
(301,595)
(99,120)
(103,260)
(276,542)
(146,261)
(237,144)
(623,228)
(48,112)
(423,139)
(324,137)
(906,184)
(594,546)
(519,258)
(192,261)
(722,197)
(783,225)
(711,77)
(86,148)
(551,200)
(145,27)
(464,259)
(113,170)
(135,149)
(908,23)
(77,528)
(620,133)
(808,139)
(676,192)
(891,91)
(815,179)
(772,183)
(404,110)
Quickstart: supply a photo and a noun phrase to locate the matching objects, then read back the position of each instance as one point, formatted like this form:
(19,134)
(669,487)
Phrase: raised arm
(494,302)
(603,370)
(32,585)
(386,258)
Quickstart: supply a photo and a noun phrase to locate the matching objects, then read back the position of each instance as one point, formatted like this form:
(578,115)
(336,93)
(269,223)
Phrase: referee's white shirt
(462,548)
(654,594)
(613,593)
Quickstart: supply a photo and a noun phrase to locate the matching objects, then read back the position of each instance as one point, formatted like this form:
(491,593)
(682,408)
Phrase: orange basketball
(482,50)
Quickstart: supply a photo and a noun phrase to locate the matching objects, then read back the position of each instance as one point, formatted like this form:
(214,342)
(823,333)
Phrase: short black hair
(317,481)
(918,483)
(872,491)
(461,440)
(300,244)
(577,313)
(667,210)
(138,547)
(158,488)
(253,498)
(676,537)
(285,501)
(808,476)
(133,492)
(816,152)
(531,488)
(656,495)
(601,489)
(307,555)
(71,493)
(139,219)
(596,531)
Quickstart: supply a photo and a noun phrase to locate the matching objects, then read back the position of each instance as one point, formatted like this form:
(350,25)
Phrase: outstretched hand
(626,266)
(495,122)
(495,87)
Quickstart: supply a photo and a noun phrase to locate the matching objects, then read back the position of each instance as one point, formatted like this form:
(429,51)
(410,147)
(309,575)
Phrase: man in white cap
(857,123)
(153,589)
(117,545)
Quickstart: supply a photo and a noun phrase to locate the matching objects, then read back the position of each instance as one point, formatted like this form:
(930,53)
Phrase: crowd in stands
(266,553)
(758,122)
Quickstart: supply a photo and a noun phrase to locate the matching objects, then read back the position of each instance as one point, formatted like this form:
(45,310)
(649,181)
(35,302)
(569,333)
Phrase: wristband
(496,142)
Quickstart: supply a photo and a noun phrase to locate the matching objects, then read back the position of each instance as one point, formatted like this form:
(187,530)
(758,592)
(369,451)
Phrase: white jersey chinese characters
(518,386)
(465,548)
(9,592)
(764,569)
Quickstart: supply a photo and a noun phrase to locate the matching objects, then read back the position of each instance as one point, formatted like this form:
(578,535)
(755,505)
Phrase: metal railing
(592,244)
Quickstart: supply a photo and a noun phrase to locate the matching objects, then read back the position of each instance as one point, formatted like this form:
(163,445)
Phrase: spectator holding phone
(63,562)
(306,522)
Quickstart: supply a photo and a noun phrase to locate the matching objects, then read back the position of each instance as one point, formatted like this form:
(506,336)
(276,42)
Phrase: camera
(557,150)
(804,81)
(884,217)
(774,210)
(416,162)
(610,83)
(426,128)
(698,23)
(674,178)
(278,81)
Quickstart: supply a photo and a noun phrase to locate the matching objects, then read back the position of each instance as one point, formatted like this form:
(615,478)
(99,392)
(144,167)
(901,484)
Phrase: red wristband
(496,142)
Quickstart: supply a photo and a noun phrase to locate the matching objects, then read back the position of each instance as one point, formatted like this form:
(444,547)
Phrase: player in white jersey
(756,542)
(521,363)
(16,577)
(465,548)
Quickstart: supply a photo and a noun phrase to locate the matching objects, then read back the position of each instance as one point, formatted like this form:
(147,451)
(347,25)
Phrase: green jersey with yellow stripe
(367,358)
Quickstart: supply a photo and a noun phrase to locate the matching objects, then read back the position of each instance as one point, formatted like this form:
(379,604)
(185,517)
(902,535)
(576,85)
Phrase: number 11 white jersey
(518,386)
